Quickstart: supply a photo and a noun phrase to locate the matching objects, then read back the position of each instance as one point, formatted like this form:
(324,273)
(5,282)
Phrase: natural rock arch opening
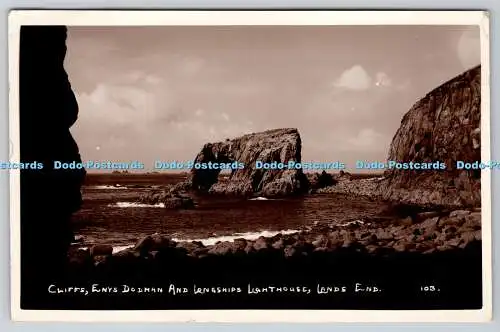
(218,153)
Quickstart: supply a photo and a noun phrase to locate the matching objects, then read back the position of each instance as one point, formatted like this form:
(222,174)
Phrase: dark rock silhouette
(277,145)
(443,126)
(321,180)
(48,109)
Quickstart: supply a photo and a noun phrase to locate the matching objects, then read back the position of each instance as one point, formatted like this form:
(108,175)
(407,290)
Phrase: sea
(110,213)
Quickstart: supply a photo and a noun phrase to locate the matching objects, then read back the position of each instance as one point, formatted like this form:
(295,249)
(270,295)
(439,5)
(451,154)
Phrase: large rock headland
(442,126)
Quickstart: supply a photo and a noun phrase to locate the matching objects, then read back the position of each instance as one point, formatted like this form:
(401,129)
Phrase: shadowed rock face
(443,126)
(48,109)
(278,145)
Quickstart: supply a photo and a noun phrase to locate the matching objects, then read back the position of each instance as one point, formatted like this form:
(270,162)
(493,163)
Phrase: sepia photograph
(236,165)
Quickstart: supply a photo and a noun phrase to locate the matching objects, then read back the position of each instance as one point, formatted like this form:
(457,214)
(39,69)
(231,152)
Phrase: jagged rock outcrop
(278,145)
(320,180)
(48,109)
(443,126)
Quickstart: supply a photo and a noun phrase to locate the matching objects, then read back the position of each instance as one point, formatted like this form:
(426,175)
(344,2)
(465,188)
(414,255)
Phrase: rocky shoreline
(397,255)
(401,249)
(369,187)
(424,232)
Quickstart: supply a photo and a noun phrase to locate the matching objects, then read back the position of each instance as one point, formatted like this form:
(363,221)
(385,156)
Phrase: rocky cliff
(443,126)
(278,145)
(48,109)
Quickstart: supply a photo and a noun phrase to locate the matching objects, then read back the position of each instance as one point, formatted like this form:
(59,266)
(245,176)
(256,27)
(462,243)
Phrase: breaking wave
(263,199)
(136,205)
(213,240)
(247,236)
(107,187)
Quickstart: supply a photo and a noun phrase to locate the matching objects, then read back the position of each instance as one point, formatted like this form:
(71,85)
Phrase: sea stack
(277,145)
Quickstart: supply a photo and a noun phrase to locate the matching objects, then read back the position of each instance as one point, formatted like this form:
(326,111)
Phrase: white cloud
(127,117)
(366,140)
(118,104)
(382,79)
(355,78)
(152,79)
(139,77)
(118,118)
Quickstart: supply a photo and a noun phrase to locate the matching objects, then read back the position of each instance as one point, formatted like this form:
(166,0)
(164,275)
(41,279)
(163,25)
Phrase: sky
(160,93)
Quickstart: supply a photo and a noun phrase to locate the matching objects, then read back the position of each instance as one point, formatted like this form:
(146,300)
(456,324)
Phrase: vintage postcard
(250,166)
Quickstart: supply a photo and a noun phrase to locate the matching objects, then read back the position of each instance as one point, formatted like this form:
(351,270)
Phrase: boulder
(239,245)
(430,224)
(472,221)
(155,242)
(221,248)
(400,246)
(279,244)
(426,215)
(193,248)
(383,235)
(290,252)
(459,213)
(261,244)
(321,241)
(408,221)
(101,250)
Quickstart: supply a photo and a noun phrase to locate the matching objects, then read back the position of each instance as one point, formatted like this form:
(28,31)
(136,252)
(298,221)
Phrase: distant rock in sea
(277,145)
(443,126)
(321,180)
(169,199)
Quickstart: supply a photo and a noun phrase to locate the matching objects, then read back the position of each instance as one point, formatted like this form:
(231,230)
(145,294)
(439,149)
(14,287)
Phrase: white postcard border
(17,18)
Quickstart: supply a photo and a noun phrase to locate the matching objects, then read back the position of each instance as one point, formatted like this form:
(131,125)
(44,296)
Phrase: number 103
(430,288)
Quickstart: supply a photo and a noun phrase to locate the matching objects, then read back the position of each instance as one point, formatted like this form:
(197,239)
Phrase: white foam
(354,222)
(230,238)
(109,187)
(380,178)
(136,205)
(247,236)
(115,249)
(213,240)
(121,248)
(264,199)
